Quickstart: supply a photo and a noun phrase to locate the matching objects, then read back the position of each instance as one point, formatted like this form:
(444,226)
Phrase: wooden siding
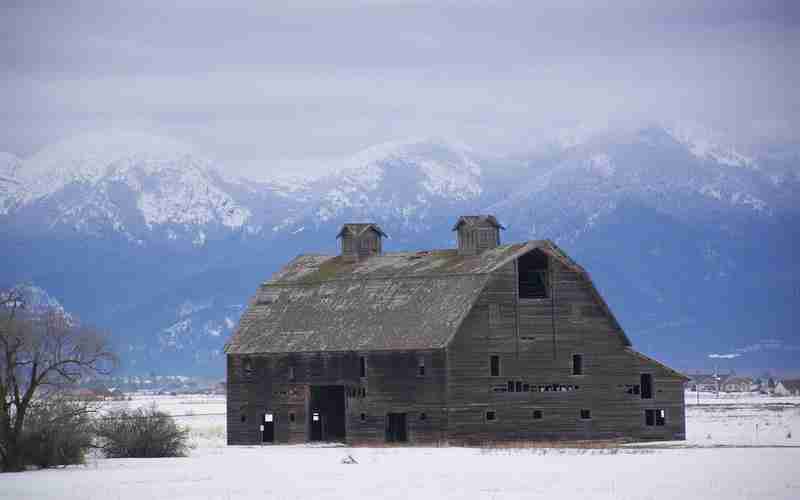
(392,385)
(536,340)
(473,240)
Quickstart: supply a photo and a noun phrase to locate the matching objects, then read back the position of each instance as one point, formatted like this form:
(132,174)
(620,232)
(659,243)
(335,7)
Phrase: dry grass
(599,447)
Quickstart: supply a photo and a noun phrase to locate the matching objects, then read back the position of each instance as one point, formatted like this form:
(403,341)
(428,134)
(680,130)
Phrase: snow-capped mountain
(144,236)
(132,184)
(585,182)
(404,182)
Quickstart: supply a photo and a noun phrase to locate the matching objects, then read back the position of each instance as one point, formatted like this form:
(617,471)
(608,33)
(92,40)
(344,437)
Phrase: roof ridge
(377,278)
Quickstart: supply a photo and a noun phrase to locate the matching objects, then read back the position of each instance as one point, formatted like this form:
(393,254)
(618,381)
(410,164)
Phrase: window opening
(577,364)
(586,414)
(363,417)
(291,373)
(494,362)
(655,417)
(247,365)
(421,368)
(491,415)
(532,275)
(647,386)
(537,414)
(422,416)
(362,366)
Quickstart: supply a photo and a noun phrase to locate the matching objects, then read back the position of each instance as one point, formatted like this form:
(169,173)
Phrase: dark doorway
(396,428)
(268,428)
(647,386)
(327,413)
(532,274)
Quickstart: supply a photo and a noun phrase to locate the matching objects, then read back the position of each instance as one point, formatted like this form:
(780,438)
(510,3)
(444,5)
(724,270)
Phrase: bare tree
(42,351)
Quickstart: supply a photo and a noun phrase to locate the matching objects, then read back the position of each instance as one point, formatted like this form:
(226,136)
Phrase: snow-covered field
(737,448)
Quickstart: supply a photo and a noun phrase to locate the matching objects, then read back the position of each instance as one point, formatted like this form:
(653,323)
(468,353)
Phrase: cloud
(763,345)
(261,85)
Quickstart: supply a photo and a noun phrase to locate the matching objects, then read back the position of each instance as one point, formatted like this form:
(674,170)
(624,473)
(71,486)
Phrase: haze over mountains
(693,244)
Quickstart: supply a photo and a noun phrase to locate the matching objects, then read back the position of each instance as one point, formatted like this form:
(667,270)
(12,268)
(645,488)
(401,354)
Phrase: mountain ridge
(663,228)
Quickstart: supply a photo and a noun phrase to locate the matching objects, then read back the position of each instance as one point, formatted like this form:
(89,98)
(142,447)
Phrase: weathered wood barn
(484,342)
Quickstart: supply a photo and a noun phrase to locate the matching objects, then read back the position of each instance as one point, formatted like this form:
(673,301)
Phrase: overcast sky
(262,87)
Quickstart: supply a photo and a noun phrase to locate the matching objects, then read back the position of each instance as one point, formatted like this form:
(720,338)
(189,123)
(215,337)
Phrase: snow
(88,158)
(170,183)
(446,170)
(701,468)
(706,144)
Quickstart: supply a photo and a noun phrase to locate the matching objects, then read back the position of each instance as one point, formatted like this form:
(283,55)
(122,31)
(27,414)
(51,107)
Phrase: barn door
(317,425)
(327,413)
(268,428)
(396,428)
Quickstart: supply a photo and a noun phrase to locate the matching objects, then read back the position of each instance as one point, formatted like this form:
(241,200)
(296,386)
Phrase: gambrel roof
(400,300)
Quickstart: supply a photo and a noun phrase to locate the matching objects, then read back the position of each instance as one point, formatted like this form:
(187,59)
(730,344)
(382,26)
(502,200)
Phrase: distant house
(737,384)
(479,343)
(788,388)
(720,383)
(704,382)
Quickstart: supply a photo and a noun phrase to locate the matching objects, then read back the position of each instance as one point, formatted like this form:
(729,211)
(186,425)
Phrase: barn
(481,343)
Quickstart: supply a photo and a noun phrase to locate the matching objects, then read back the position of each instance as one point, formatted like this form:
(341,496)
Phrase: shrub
(141,433)
(57,431)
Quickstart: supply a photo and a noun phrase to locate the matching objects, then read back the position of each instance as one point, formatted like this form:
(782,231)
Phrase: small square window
(363,417)
(586,414)
(537,414)
(491,416)
(421,368)
(422,416)
(243,417)
(268,417)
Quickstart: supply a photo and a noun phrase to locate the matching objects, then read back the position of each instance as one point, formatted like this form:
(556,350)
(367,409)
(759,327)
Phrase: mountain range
(692,243)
